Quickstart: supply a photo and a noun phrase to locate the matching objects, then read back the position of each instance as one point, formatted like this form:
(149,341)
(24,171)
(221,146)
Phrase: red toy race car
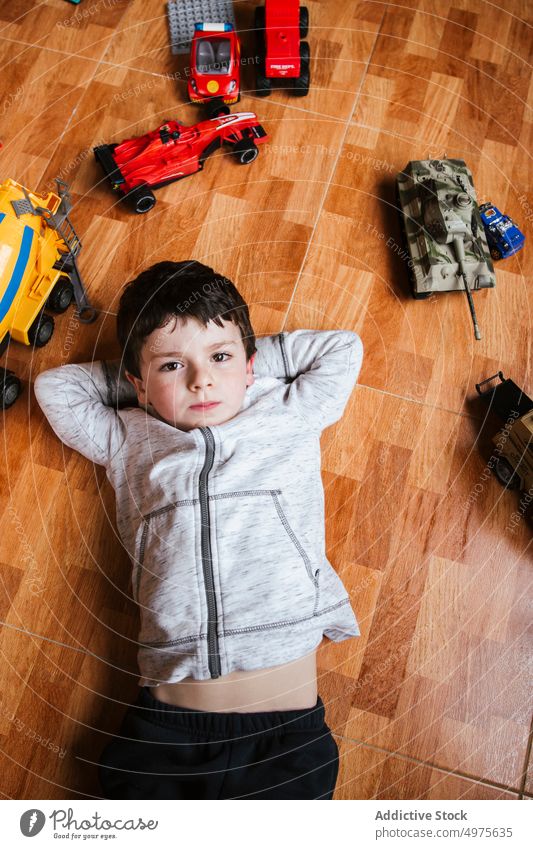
(172,151)
(283,58)
(215,67)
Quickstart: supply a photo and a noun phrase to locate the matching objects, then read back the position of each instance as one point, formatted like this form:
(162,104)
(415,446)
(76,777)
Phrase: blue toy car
(503,236)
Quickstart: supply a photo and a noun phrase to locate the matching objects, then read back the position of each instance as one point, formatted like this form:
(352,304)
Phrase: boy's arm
(321,366)
(81,404)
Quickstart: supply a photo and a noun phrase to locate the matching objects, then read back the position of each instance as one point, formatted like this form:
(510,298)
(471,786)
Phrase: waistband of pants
(207,723)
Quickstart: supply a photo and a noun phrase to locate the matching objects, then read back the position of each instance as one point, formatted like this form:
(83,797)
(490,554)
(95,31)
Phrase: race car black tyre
(217,107)
(61,296)
(246,151)
(141,198)
(495,254)
(41,330)
(304,21)
(301,83)
(506,474)
(10,388)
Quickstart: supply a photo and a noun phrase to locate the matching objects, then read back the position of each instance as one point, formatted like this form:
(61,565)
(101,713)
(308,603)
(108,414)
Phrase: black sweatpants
(168,752)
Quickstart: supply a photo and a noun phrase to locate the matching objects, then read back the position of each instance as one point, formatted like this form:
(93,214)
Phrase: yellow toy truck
(38,249)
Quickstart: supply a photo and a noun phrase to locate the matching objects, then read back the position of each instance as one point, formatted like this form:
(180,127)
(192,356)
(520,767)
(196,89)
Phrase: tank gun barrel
(459,248)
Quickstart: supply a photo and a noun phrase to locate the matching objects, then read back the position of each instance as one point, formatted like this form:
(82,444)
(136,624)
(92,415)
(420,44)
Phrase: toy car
(38,249)
(503,236)
(283,57)
(215,67)
(173,151)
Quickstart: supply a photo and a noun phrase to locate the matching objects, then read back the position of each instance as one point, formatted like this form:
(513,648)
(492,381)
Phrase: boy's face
(185,364)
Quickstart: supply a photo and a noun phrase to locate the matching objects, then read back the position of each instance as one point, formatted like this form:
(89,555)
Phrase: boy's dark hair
(184,289)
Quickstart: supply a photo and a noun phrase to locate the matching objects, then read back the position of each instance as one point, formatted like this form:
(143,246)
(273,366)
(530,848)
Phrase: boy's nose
(200,379)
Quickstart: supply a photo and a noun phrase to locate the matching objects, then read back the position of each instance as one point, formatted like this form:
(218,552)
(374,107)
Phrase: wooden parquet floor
(434,700)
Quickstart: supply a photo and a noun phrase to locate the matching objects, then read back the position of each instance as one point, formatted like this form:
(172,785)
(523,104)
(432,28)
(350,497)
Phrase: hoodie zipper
(213,655)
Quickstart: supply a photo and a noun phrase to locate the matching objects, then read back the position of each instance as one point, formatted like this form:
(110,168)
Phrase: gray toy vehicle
(442,226)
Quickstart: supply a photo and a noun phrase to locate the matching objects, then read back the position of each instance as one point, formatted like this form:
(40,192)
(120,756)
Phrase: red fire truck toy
(284,58)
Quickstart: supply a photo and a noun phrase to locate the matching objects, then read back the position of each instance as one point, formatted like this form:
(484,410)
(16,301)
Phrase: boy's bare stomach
(291,686)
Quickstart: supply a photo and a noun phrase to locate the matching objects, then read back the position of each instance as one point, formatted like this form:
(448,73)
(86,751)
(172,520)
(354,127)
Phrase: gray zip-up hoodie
(224,524)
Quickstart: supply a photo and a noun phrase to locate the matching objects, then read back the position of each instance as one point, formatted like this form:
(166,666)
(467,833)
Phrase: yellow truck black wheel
(10,388)
(61,296)
(41,330)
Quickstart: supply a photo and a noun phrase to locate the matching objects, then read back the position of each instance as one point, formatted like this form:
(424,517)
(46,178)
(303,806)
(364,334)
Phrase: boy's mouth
(207,406)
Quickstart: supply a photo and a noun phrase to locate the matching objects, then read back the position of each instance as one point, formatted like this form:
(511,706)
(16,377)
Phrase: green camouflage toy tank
(443,230)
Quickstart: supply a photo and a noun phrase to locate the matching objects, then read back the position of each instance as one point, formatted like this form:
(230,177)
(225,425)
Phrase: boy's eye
(172,365)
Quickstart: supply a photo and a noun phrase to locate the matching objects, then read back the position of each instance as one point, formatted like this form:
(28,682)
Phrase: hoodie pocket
(165,580)
(266,575)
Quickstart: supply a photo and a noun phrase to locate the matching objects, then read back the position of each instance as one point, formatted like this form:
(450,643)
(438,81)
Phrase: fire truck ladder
(61,223)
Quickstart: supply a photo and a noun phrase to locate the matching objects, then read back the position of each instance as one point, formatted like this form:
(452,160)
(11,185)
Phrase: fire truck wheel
(141,198)
(301,83)
(10,388)
(263,86)
(245,151)
(304,21)
(61,296)
(259,19)
(506,474)
(262,83)
(41,330)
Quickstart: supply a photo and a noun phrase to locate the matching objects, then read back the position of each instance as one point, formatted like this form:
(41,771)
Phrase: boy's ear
(139,386)
(250,377)
(131,378)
